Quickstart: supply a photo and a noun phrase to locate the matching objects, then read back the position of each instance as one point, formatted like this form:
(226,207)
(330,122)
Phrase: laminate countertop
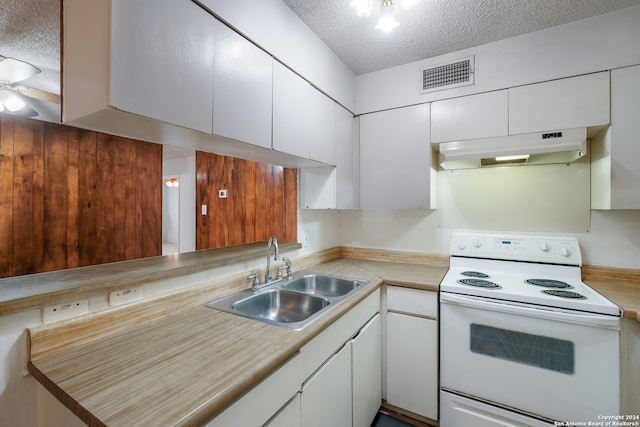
(182,368)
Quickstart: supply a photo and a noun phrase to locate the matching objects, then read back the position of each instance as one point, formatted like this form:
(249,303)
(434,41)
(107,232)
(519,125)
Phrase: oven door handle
(582,318)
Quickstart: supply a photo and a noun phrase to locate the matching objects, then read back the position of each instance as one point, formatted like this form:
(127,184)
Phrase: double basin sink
(291,303)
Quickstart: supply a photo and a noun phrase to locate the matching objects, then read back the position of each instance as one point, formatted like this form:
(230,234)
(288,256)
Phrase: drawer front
(413,301)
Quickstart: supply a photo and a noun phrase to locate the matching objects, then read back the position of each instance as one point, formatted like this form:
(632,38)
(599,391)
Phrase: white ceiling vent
(447,76)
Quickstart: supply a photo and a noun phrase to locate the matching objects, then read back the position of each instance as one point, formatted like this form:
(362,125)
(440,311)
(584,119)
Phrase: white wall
(614,239)
(595,44)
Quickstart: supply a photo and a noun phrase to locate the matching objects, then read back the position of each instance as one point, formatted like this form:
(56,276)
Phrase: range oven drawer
(553,365)
(461,411)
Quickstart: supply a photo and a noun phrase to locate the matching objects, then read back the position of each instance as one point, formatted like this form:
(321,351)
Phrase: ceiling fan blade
(40,94)
(13,70)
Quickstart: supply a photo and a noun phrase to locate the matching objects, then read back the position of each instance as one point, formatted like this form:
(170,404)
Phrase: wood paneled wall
(71,197)
(262,200)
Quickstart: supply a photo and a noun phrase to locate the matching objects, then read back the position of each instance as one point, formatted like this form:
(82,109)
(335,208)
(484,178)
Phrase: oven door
(550,363)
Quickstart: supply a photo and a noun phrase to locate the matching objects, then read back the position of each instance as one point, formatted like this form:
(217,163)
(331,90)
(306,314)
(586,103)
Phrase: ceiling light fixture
(362,7)
(173,182)
(10,101)
(387,20)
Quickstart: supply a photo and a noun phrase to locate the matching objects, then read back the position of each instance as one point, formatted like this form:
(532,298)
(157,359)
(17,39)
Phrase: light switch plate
(122,296)
(65,310)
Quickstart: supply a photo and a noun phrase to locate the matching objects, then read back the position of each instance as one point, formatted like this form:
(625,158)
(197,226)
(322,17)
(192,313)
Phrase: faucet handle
(287,265)
(255,281)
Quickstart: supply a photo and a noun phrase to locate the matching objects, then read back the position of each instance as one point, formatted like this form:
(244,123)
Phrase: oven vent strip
(550,308)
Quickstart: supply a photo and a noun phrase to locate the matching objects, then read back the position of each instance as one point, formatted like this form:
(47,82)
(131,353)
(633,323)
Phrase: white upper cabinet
(475,116)
(395,159)
(290,112)
(615,176)
(322,128)
(560,104)
(242,82)
(303,118)
(162,61)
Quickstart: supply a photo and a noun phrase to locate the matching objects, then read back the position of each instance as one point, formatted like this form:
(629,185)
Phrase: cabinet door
(412,364)
(623,149)
(395,159)
(161,68)
(326,396)
(290,112)
(318,188)
(367,372)
(242,88)
(288,416)
(470,117)
(321,130)
(560,104)
(346,161)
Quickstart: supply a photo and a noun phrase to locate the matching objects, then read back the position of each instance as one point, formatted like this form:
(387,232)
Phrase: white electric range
(523,339)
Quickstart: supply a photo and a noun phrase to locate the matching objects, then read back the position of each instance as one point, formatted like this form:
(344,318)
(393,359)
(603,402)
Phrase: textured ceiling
(436,27)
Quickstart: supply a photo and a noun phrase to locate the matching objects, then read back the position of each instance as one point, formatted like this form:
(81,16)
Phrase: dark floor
(383,420)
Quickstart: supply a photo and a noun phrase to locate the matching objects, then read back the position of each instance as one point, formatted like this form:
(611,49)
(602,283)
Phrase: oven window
(534,350)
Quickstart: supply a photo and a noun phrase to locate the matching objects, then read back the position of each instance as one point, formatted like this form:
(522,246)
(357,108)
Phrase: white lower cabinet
(412,351)
(326,396)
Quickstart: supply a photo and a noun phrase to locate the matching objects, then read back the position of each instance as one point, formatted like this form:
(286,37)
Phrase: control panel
(546,249)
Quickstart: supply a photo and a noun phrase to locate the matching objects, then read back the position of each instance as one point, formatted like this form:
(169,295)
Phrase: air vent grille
(447,76)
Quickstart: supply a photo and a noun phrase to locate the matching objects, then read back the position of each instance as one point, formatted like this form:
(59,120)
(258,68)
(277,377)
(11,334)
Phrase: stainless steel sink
(323,285)
(292,303)
(280,305)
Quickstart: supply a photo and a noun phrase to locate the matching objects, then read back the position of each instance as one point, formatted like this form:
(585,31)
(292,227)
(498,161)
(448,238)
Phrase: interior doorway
(170,214)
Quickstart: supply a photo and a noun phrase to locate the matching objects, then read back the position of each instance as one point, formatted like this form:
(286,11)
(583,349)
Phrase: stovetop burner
(563,294)
(479,283)
(476,274)
(549,283)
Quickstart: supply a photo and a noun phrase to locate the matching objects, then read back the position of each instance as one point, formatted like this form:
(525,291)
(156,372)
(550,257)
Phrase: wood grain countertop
(182,368)
(620,285)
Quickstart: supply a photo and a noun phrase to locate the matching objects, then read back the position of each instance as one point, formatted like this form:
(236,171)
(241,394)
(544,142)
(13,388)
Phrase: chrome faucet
(272,242)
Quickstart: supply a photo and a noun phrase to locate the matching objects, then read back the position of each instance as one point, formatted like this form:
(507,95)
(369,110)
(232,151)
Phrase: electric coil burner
(479,283)
(548,283)
(476,274)
(520,331)
(563,294)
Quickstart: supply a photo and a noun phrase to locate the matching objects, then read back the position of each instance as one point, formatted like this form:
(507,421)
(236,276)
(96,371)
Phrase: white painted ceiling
(30,31)
(436,27)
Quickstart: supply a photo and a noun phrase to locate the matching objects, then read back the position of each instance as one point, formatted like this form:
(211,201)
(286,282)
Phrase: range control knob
(476,243)
(545,247)
(565,252)
(460,244)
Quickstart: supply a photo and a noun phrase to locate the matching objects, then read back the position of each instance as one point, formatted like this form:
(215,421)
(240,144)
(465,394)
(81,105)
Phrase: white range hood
(561,146)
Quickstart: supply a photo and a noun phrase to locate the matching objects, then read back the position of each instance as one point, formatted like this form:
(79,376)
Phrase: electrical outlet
(122,296)
(65,310)
(305,240)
